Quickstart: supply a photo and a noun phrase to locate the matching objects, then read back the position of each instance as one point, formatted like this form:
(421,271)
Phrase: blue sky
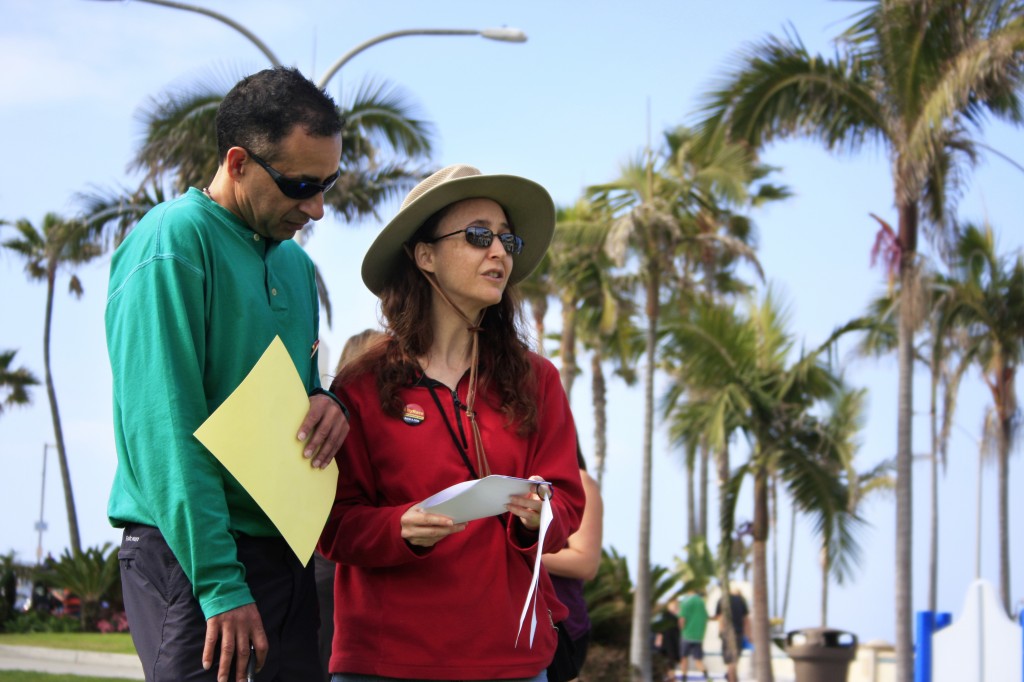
(593,84)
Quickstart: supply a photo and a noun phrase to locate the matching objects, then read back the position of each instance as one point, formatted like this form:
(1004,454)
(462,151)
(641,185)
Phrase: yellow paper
(253,433)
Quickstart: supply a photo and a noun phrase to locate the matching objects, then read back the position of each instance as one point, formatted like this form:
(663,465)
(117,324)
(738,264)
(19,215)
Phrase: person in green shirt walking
(693,621)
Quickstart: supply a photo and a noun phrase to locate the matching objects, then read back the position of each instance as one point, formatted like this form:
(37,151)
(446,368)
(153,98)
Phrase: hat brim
(528,206)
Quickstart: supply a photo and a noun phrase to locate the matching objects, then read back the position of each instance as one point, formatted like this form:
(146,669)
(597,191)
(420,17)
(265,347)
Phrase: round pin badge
(414,414)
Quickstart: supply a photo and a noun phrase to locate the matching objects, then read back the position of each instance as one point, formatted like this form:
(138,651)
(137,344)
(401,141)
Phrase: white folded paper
(478,498)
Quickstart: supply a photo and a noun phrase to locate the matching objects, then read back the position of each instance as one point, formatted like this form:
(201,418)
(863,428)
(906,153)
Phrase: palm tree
(91,576)
(666,216)
(14,383)
(621,345)
(725,178)
(384,141)
(610,596)
(841,427)
(180,143)
(914,77)
(988,295)
(181,136)
(597,310)
(647,221)
(536,290)
(56,245)
(575,267)
(743,380)
(941,352)
(698,568)
(8,586)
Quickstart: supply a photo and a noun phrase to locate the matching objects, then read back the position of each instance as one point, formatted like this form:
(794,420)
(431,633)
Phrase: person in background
(198,290)
(693,623)
(740,625)
(324,567)
(453,395)
(356,345)
(666,639)
(578,562)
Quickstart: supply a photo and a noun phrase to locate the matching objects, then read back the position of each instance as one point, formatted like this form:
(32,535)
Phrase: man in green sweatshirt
(198,290)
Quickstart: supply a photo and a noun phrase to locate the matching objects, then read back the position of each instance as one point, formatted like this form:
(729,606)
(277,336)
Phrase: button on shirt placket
(277,303)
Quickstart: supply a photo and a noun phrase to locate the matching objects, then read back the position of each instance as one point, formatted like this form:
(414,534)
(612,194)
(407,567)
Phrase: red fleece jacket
(452,612)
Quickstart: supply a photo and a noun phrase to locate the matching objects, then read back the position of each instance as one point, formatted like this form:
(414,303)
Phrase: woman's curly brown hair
(504,360)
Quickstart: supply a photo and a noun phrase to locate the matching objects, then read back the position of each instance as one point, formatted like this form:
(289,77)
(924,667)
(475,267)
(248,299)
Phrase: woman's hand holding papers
(422,529)
(527,507)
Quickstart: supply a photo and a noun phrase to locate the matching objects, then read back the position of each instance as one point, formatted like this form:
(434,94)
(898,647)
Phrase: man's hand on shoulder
(235,630)
(324,429)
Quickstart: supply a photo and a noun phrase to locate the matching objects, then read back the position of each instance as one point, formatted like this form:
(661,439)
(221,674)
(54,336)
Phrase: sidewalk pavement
(124,666)
(70,662)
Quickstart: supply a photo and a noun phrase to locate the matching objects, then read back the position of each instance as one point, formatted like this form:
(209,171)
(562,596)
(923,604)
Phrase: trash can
(821,654)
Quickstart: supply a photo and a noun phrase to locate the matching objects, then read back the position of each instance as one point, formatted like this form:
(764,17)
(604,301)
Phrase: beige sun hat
(528,206)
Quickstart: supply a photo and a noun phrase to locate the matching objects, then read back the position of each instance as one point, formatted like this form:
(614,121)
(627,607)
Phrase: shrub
(37,621)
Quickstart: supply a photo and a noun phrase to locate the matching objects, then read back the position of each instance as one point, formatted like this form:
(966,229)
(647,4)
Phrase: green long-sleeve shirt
(195,298)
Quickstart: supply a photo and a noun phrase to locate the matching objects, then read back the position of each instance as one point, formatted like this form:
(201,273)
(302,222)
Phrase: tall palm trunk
(691,505)
(824,586)
(539,307)
(933,536)
(774,525)
(702,518)
(789,562)
(908,218)
(759,618)
(599,391)
(1006,410)
(58,432)
(725,523)
(640,640)
(567,345)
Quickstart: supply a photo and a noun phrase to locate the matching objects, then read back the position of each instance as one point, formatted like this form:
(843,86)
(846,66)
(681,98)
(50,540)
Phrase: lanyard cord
(431,385)
(473,328)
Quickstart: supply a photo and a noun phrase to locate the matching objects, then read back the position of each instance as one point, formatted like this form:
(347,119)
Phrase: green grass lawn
(22,676)
(111,643)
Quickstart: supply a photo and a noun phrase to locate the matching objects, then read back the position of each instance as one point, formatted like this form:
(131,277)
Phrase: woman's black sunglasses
(292,188)
(482,237)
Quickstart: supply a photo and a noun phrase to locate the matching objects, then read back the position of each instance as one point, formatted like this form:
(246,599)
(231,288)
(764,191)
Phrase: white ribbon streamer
(531,596)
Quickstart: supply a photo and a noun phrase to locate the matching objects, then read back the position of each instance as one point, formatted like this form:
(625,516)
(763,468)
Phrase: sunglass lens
(513,243)
(482,237)
(479,236)
(298,190)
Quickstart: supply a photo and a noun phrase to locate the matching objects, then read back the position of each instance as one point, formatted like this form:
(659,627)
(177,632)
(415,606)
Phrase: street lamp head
(508,35)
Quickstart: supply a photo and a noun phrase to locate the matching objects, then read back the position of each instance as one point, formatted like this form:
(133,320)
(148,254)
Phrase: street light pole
(41,524)
(223,19)
(509,35)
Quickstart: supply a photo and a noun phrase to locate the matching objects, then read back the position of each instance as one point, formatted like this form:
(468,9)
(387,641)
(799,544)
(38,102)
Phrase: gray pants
(169,629)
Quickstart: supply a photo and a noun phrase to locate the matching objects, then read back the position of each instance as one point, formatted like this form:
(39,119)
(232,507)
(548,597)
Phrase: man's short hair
(262,109)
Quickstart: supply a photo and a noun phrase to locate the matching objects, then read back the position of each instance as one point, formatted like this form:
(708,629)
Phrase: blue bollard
(923,648)
(1020,618)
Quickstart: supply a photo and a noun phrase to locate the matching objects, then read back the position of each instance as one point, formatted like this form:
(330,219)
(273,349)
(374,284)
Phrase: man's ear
(234,161)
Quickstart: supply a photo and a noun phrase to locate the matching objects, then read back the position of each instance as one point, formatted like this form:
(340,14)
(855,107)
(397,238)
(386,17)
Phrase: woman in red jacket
(451,394)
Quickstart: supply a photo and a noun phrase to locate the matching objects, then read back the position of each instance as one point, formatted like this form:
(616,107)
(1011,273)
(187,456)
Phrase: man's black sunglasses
(292,188)
(482,237)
